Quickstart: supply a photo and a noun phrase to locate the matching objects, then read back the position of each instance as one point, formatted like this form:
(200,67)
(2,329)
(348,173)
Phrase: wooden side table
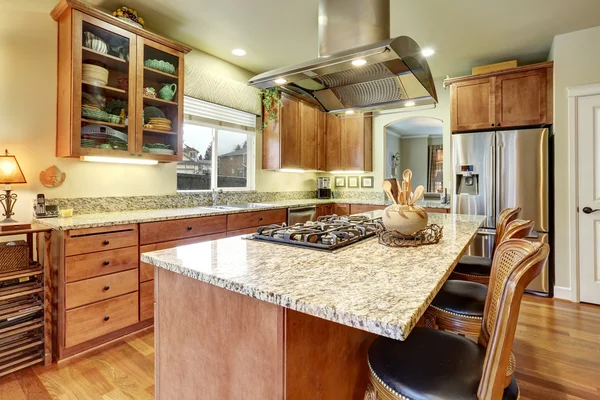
(26,305)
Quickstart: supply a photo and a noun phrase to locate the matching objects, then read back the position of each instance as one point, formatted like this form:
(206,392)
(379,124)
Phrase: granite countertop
(368,286)
(141,216)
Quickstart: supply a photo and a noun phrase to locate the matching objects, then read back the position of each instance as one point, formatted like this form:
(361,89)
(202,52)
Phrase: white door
(588,138)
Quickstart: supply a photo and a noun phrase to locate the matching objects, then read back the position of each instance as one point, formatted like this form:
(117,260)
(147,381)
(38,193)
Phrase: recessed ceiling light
(350,112)
(238,52)
(280,81)
(359,62)
(427,52)
(409,104)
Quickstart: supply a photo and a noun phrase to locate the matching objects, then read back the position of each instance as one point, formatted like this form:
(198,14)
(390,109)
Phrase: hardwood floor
(557,347)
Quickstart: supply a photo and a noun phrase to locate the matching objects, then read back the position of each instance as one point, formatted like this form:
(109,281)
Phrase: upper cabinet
(513,98)
(120,88)
(292,140)
(304,137)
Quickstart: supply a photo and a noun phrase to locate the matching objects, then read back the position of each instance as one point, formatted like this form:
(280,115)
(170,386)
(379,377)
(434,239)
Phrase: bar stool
(458,306)
(477,268)
(433,364)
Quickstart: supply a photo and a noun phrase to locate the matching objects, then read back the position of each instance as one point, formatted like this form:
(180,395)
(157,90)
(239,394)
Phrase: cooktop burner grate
(327,233)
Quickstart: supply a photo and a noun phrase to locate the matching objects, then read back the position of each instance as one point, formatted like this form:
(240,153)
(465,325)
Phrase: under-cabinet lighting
(347,172)
(301,171)
(427,52)
(359,63)
(409,104)
(117,160)
(238,52)
(349,112)
(280,81)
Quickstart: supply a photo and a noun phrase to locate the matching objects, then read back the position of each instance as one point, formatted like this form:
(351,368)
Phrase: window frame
(250,168)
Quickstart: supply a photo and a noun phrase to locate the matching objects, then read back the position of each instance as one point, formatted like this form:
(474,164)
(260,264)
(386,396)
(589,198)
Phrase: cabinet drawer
(163,231)
(101,288)
(245,231)
(85,266)
(341,209)
(118,237)
(255,218)
(361,208)
(146,300)
(438,210)
(147,270)
(89,322)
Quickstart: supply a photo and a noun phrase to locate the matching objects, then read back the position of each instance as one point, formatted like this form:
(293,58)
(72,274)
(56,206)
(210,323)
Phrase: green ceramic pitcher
(168,91)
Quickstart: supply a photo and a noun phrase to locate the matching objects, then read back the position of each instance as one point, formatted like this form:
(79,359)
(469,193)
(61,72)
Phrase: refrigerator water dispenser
(467,180)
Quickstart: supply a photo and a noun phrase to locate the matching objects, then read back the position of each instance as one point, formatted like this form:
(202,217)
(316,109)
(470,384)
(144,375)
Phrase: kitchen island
(245,319)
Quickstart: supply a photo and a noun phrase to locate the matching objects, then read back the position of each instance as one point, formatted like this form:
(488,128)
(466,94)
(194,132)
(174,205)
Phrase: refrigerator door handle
(499,148)
(492,203)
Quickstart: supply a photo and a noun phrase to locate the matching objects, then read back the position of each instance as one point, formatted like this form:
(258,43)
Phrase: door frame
(573,93)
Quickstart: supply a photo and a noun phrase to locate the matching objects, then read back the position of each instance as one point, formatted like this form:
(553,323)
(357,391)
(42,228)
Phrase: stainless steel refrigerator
(497,170)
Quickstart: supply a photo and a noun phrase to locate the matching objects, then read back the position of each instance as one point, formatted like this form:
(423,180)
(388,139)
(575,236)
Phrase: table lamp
(10,173)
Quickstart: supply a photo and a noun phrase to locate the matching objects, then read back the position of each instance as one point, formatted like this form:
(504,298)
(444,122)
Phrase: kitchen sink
(223,207)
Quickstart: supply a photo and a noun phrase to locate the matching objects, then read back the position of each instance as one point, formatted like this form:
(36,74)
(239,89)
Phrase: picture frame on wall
(366,182)
(339,181)
(353,182)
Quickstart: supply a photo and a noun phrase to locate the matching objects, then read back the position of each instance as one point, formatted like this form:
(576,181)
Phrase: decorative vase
(405,219)
(150,92)
(168,91)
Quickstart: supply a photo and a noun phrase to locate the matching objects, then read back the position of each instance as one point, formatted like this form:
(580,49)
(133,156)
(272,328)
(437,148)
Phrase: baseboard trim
(561,292)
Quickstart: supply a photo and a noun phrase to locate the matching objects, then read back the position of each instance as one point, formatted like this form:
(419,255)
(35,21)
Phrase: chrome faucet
(215,196)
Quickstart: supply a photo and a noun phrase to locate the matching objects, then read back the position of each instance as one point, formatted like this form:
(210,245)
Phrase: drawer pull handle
(260,219)
(106,262)
(189,228)
(106,318)
(106,287)
(105,242)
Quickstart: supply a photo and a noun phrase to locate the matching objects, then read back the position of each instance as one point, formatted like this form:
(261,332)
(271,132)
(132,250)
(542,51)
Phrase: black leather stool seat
(431,364)
(461,297)
(474,265)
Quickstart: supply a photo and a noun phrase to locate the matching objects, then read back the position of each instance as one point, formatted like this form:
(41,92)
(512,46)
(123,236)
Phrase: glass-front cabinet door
(159,101)
(104,111)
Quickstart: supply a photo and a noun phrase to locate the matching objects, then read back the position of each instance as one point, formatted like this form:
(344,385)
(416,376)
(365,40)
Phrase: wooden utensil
(419,191)
(405,192)
(387,188)
(394,188)
(407,177)
(400,192)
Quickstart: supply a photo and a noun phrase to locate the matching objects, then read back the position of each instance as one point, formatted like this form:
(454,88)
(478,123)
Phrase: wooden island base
(212,343)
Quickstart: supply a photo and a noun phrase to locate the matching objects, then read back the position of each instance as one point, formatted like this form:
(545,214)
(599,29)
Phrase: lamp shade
(10,171)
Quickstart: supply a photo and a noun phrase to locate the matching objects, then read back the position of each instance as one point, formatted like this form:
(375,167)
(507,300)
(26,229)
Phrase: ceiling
(417,126)
(276,33)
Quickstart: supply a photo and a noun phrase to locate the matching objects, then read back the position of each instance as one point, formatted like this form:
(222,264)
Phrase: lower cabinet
(324,209)
(146,300)
(438,210)
(361,208)
(341,209)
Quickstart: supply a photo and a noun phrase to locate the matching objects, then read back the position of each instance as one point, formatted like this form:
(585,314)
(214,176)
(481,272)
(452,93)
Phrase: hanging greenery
(271,97)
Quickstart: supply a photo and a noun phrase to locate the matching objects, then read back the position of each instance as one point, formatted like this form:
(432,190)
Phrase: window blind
(204,112)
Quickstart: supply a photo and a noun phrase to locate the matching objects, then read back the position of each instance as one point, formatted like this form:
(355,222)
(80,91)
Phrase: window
(217,154)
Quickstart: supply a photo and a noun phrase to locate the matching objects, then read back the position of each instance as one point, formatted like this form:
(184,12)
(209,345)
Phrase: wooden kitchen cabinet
(472,105)
(102,73)
(514,98)
(293,139)
(349,143)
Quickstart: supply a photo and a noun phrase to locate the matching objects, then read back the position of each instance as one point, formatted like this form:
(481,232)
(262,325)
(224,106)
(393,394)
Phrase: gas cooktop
(327,233)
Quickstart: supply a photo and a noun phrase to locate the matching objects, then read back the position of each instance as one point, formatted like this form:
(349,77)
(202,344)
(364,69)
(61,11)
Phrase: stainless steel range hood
(393,73)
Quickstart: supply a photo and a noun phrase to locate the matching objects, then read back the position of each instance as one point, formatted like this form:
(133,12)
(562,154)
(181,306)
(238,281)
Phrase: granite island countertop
(368,286)
(81,221)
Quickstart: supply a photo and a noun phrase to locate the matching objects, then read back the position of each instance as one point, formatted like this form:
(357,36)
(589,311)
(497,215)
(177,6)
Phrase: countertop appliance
(323,188)
(300,215)
(327,233)
(498,170)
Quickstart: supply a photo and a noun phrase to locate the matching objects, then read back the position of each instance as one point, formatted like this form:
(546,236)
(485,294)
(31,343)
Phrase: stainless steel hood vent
(394,73)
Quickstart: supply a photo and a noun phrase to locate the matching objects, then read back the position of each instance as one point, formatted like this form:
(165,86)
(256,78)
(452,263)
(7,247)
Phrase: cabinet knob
(492,124)
(106,242)
(106,262)
(106,287)
(189,228)
(260,219)
(498,124)
(106,318)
